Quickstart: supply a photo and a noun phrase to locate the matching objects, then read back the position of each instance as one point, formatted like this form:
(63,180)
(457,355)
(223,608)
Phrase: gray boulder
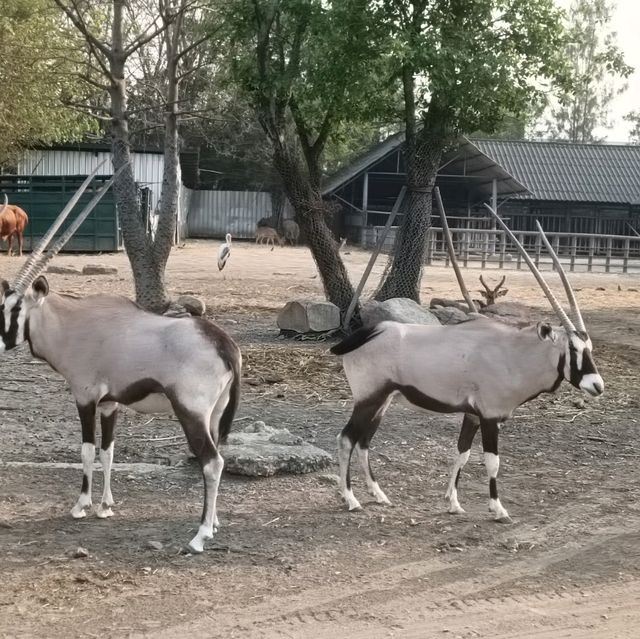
(63,270)
(450,315)
(262,451)
(508,312)
(303,316)
(99,269)
(397,309)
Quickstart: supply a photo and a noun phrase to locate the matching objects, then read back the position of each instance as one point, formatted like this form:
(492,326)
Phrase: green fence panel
(43,197)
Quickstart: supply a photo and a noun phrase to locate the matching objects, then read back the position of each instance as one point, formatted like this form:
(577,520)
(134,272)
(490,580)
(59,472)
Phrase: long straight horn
(24,274)
(564,318)
(577,315)
(452,253)
(73,227)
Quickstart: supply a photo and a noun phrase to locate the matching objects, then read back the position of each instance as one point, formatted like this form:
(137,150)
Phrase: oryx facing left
(482,368)
(113,352)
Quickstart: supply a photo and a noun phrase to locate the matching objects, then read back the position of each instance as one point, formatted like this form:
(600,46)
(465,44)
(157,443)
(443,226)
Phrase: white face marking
(592,384)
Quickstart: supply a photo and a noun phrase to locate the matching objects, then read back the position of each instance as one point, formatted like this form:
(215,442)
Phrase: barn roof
(465,161)
(562,171)
(553,171)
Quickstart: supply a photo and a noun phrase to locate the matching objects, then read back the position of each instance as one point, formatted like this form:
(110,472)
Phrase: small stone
(601,288)
(192,304)
(330,480)
(154,545)
(64,270)
(99,269)
(80,553)
(632,290)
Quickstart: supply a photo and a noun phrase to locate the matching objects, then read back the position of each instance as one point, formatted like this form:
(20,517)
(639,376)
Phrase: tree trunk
(310,214)
(148,274)
(423,152)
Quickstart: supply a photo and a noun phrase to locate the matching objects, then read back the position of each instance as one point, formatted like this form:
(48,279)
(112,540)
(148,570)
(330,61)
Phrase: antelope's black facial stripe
(588,367)
(9,333)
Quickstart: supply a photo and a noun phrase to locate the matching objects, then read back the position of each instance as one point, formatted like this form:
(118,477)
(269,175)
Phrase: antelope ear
(545,331)
(5,286)
(40,287)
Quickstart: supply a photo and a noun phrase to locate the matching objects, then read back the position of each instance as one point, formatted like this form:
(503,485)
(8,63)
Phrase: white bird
(224,252)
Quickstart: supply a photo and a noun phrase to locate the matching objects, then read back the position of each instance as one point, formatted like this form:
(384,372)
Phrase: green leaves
(36,74)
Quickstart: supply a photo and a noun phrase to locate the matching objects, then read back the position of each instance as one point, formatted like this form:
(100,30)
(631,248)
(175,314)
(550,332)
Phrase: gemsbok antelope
(113,352)
(482,368)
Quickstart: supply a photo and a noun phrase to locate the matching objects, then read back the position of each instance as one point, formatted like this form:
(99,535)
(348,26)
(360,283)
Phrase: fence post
(503,248)
(555,242)
(574,250)
(608,258)
(591,251)
(625,257)
(519,258)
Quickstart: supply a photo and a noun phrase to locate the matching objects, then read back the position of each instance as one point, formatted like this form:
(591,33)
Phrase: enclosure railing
(580,251)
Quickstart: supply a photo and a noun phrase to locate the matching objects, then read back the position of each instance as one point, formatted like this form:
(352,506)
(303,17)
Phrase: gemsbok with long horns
(482,368)
(113,352)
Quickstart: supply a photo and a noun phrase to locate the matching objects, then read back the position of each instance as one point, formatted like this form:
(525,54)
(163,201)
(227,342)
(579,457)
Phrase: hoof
(103,511)
(456,510)
(80,512)
(195,548)
(503,520)
(355,508)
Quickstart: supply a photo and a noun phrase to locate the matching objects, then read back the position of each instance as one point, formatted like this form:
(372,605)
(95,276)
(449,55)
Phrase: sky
(625,22)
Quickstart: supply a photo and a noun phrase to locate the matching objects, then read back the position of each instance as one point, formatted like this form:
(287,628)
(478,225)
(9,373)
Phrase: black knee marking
(468,430)
(458,477)
(490,431)
(493,488)
(107,426)
(87,415)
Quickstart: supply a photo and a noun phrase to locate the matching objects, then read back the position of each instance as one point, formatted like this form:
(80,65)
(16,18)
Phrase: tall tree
(462,66)
(37,74)
(115,31)
(305,66)
(597,64)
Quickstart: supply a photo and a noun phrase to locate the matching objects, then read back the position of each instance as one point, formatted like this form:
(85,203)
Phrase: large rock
(397,309)
(261,451)
(302,316)
(63,270)
(508,312)
(99,269)
(450,314)
(192,304)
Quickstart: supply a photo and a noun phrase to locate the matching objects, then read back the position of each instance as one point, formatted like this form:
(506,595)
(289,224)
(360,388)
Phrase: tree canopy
(38,74)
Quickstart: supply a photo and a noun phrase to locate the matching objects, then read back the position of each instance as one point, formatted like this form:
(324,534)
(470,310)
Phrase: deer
(268,235)
(482,368)
(13,221)
(492,294)
(114,353)
(290,232)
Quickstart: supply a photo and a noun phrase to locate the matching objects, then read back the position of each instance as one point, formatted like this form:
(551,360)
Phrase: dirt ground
(289,560)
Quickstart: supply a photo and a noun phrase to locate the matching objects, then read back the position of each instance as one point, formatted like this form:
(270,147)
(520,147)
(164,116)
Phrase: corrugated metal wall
(147,167)
(214,213)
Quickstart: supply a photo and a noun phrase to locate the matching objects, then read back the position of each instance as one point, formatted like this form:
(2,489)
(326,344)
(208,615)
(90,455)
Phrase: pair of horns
(38,259)
(575,310)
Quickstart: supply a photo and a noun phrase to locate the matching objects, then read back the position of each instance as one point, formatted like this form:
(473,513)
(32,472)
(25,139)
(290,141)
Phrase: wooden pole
(452,253)
(373,258)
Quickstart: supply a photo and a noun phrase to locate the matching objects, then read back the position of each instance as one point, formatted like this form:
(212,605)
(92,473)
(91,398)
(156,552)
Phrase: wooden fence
(578,251)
